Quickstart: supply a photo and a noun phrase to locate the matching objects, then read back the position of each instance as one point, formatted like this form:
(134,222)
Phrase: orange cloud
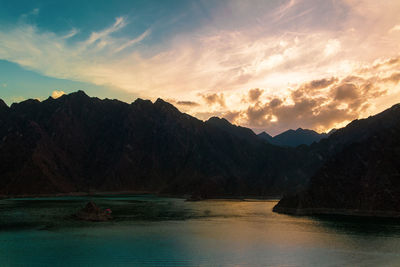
(215,98)
(254,94)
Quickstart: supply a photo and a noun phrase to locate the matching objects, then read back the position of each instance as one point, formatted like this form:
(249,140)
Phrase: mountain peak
(293,138)
(79,94)
(264,134)
(160,103)
(140,101)
(3,104)
(266,137)
(217,120)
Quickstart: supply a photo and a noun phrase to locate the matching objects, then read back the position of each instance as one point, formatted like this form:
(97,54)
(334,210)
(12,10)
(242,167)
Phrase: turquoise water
(154,231)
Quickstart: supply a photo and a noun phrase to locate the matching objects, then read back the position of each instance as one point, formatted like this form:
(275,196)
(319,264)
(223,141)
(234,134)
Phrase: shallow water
(154,231)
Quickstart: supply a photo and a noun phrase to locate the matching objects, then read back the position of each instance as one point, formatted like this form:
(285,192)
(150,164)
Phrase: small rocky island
(91,212)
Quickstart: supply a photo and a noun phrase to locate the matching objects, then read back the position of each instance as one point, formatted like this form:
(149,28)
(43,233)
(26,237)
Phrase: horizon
(272,65)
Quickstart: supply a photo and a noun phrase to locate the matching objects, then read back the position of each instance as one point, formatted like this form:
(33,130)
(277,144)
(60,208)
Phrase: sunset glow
(267,65)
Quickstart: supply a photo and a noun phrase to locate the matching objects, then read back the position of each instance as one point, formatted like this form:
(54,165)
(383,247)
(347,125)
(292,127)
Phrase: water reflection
(154,231)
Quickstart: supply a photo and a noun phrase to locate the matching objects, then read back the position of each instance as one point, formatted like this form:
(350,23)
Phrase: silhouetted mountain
(293,138)
(362,177)
(298,137)
(3,105)
(76,143)
(332,131)
(266,137)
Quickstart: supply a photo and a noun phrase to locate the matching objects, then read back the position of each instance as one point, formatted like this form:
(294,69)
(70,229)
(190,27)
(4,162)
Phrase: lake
(154,231)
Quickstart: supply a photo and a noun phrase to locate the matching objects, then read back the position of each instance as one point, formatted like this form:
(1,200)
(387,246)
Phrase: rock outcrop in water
(91,212)
(362,178)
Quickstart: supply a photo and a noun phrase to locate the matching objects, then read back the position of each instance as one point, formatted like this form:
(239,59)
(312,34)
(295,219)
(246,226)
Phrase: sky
(264,64)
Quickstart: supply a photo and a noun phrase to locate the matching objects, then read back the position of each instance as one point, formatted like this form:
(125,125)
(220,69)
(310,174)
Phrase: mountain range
(362,175)
(81,144)
(294,138)
(76,143)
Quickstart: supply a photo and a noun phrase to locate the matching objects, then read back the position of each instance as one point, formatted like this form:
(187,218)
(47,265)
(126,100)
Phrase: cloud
(35,11)
(346,92)
(212,99)
(318,104)
(187,103)
(120,22)
(332,47)
(319,84)
(71,33)
(316,71)
(395,28)
(204,60)
(231,115)
(394,78)
(254,94)
(56,94)
(92,60)
(133,41)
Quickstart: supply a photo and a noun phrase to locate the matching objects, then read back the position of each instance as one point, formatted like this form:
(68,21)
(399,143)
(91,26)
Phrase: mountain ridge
(294,138)
(77,143)
(363,178)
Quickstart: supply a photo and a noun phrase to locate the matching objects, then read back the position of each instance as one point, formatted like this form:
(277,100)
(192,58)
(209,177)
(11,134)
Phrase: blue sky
(267,65)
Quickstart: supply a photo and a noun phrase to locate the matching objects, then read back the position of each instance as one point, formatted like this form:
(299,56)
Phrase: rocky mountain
(76,143)
(361,175)
(266,137)
(293,138)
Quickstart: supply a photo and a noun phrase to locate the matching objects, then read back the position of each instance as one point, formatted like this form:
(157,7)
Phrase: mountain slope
(297,137)
(362,178)
(293,138)
(80,144)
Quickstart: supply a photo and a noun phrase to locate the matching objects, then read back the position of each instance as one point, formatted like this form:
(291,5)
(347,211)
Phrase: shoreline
(76,194)
(342,212)
(186,197)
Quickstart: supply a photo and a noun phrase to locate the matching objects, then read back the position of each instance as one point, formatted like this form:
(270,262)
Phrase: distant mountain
(76,143)
(362,175)
(266,137)
(293,138)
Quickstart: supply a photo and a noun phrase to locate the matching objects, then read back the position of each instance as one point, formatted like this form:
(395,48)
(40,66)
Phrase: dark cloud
(187,103)
(388,63)
(310,88)
(231,115)
(346,92)
(319,84)
(257,115)
(394,78)
(275,102)
(215,98)
(254,94)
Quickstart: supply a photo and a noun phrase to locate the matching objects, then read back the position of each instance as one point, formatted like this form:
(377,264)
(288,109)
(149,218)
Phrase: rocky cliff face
(80,144)
(362,177)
